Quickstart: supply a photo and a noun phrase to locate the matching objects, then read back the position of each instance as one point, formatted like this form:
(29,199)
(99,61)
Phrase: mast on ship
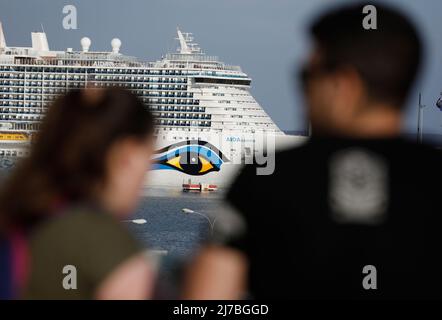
(2,38)
(187,46)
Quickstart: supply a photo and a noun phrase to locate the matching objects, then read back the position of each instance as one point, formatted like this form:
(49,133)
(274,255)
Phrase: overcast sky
(266,38)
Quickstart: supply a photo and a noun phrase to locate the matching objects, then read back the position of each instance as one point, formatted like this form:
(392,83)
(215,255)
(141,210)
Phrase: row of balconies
(36,90)
(114,76)
(176,108)
(20,103)
(20,117)
(82,81)
(37,76)
(110,70)
(183,116)
(89,70)
(149,87)
(40,83)
(167,94)
(59,87)
(140,79)
(22,110)
(173,101)
(37,97)
(137,71)
(182,123)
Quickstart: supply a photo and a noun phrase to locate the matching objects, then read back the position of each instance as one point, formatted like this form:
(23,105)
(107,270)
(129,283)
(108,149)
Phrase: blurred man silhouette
(356,211)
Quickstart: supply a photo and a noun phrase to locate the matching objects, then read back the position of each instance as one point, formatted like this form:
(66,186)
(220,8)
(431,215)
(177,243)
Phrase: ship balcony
(161,107)
(181,123)
(54,78)
(120,71)
(12,75)
(176,108)
(183,116)
(34,76)
(14,83)
(11,90)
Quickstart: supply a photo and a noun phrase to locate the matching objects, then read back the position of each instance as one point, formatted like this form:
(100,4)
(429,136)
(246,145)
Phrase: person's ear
(349,91)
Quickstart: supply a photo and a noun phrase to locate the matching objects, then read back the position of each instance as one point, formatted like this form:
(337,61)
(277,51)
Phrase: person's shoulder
(296,153)
(88,214)
(83,214)
(252,176)
(75,222)
(281,159)
(84,231)
(422,151)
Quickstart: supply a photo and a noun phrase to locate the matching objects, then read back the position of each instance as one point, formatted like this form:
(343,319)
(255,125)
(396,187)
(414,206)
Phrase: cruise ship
(208,123)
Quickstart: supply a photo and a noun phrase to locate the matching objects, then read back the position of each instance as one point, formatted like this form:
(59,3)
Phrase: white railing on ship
(191,57)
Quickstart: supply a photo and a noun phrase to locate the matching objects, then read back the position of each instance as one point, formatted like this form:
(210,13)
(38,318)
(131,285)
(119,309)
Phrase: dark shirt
(334,206)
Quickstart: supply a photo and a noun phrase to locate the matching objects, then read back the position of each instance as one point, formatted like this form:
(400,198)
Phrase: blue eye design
(193,157)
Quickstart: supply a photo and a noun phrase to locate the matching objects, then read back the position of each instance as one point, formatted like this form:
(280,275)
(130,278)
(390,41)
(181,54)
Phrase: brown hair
(387,59)
(67,158)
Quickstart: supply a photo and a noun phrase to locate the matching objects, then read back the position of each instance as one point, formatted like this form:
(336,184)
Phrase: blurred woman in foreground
(82,178)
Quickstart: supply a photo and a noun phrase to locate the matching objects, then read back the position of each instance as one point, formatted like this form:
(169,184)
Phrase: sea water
(167,227)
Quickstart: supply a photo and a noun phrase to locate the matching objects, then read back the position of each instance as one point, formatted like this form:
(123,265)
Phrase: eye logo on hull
(191,157)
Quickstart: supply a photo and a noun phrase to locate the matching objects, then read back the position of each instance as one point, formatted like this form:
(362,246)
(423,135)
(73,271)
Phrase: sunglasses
(309,73)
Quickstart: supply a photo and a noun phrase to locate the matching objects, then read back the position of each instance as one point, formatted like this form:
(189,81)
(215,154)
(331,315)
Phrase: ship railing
(191,57)
(6,61)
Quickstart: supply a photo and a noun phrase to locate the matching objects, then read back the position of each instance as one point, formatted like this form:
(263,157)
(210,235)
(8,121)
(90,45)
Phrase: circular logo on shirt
(358,187)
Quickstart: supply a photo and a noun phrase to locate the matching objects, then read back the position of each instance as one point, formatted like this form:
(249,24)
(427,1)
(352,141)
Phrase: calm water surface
(168,227)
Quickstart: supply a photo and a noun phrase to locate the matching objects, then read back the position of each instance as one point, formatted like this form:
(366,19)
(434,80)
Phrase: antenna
(42,29)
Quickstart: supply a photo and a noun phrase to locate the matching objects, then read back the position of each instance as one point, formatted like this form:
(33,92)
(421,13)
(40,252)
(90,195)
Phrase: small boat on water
(198,187)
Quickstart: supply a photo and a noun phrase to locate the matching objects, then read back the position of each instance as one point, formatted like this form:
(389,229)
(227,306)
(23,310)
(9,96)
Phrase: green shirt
(92,241)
